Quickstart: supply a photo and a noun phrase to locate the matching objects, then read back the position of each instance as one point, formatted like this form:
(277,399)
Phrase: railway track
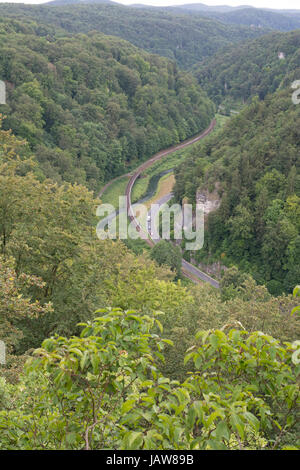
(189,271)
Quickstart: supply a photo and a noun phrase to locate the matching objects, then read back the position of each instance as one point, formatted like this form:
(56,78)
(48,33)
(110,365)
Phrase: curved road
(188,269)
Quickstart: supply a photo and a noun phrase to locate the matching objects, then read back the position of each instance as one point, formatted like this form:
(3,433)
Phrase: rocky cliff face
(210,200)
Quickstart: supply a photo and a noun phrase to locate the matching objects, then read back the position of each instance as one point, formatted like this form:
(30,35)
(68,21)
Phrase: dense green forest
(90,106)
(254,163)
(241,72)
(262,18)
(280,20)
(183,38)
(107,346)
(108,385)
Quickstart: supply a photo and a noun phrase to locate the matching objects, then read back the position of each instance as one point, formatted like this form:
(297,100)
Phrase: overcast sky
(286,4)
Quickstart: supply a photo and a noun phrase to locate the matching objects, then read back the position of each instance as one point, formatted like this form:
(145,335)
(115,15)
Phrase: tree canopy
(254,164)
(183,38)
(92,106)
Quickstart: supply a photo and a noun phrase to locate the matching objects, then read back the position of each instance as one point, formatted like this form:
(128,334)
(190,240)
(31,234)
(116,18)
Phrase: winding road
(188,270)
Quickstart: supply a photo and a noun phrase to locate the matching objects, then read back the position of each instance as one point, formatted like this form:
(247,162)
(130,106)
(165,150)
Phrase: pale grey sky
(284,4)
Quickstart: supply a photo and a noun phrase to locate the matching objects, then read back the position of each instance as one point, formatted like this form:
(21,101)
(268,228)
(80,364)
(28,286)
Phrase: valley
(149,341)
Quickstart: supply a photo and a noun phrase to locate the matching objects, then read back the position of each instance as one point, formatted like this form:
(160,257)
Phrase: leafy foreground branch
(103,390)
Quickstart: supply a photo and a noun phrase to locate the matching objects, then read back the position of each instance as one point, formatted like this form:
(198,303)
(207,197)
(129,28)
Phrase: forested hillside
(254,161)
(280,20)
(108,385)
(263,19)
(183,38)
(91,105)
(255,68)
